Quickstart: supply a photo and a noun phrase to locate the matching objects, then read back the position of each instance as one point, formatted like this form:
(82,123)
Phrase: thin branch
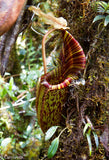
(30,90)
(20,99)
(17,104)
(37,32)
(15,75)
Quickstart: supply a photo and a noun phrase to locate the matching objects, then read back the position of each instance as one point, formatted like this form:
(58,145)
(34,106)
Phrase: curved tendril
(43,50)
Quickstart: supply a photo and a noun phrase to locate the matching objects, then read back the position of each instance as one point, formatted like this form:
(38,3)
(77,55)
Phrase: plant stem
(62,131)
(43,50)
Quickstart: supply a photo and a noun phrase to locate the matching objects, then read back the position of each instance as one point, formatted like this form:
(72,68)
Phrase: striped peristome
(64,84)
(52,88)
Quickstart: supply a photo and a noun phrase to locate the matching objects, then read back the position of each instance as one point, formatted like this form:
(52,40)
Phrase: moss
(14,67)
(93,97)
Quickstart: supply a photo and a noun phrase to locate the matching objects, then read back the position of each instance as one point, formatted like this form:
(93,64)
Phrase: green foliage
(7,90)
(103,8)
(55,143)
(96,139)
(50,132)
(89,142)
(53,147)
(86,127)
(6,145)
(87,131)
(18,123)
(29,55)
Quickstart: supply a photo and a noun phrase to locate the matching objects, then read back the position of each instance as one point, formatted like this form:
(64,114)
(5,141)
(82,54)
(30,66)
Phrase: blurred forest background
(87,118)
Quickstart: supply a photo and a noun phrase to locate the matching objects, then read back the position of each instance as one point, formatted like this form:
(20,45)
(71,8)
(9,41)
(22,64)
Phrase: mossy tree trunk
(89,102)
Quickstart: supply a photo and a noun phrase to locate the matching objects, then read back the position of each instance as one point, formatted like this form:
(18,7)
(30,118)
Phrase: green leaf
(96,139)
(50,132)
(11,94)
(7,74)
(103,4)
(106,21)
(26,105)
(29,129)
(11,109)
(6,142)
(30,113)
(99,17)
(24,144)
(107,11)
(3,92)
(11,82)
(103,7)
(86,127)
(89,143)
(101,10)
(53,147)
(28,95)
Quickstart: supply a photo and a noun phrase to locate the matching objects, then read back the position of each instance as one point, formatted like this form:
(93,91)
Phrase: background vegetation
(87,119)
